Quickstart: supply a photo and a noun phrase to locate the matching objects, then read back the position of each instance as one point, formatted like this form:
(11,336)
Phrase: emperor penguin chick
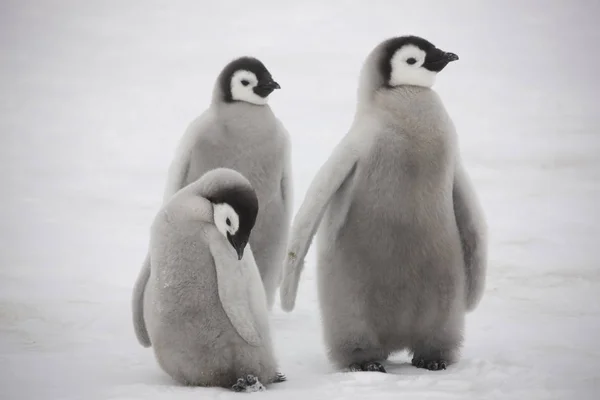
(204,305)
(240,131)
(401,243)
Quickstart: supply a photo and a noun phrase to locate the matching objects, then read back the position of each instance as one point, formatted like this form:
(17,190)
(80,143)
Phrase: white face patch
(226,219)
(407,72)
(242,83)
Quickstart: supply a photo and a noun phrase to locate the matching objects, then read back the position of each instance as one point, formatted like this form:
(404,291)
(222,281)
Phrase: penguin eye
(411,61)
(228,222)
(245,82)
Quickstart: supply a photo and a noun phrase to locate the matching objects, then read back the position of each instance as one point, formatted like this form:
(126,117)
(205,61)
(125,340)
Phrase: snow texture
(94,96)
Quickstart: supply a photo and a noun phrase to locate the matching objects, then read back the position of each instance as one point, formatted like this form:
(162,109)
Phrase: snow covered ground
(94,96)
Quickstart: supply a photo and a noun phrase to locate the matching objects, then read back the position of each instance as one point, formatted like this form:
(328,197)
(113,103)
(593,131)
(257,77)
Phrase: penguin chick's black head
(237,208)
(246,79)
(412,60)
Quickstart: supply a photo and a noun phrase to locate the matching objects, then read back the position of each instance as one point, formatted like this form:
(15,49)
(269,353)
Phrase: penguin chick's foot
(370,366)
(248,384)
(432,365)
(279,377)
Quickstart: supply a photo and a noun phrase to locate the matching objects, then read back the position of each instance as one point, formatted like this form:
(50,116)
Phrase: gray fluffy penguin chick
(239,131)
(401,242)
(204,304)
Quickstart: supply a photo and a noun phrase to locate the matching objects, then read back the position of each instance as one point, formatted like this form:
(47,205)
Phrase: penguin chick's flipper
(473,231)
(279,377)
(330,177)
(287,187)
(432,365)
(369,366)
(248,384)
(231,287)
(137,304)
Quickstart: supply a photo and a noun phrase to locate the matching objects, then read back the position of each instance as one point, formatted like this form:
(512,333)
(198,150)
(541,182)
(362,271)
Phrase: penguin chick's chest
(400,224)
(408,169)
(253,146)
(400,198)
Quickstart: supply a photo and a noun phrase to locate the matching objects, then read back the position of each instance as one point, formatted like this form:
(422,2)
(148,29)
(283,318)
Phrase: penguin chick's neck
(401,93)
(240,109)
(242,119)
(394,98)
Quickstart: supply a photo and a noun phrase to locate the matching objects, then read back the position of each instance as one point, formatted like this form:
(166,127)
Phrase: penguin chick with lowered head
(203,303)
(402,240)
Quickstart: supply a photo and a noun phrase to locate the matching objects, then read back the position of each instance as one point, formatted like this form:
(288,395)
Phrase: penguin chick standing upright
(240,131)
(204,304)
(402,244)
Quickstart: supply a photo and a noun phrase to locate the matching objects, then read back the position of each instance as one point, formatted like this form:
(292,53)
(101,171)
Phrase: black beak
(238,244)
(265,88)
(437,60)
(450,57)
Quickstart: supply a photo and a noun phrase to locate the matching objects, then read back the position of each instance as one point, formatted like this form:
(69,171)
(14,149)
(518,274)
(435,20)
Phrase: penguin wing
(330,177)
(473,231)
(139,324)
(234,284)
(178,169)
(287,186)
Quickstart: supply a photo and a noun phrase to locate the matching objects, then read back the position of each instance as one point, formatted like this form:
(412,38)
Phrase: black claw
(419,363)
(374,366)
(243,383)
(279,377)
(369,366)
(355,367)
(432,365)
(240,386)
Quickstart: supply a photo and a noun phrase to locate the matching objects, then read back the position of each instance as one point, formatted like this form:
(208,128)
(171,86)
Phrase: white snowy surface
(94,96)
